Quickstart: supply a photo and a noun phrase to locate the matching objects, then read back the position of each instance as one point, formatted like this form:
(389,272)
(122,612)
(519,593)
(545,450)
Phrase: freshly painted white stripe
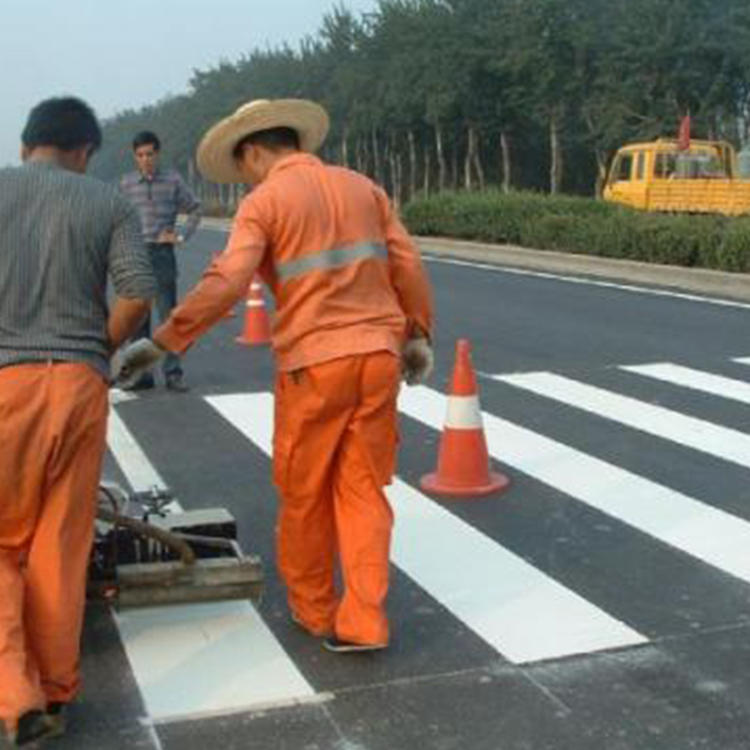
(698,380)
(723,442)
(589,282)
(523,613)
(118,396)
(250,413)
(196,660)
(208,659)
(141,474)
(706,533)
(517,609)
(464,413)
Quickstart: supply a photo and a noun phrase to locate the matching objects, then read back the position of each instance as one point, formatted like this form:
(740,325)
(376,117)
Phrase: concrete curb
(715,283)
(734,286)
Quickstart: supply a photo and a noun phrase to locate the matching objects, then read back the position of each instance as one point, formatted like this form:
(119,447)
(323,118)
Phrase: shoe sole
(353,648)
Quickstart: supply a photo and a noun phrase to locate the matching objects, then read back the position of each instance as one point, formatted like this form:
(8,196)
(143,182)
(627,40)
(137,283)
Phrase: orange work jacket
(346,276)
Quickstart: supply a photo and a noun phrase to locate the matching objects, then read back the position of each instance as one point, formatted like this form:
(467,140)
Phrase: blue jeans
(165,270)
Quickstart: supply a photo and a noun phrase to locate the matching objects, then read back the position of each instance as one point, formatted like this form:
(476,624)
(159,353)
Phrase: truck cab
(660,176)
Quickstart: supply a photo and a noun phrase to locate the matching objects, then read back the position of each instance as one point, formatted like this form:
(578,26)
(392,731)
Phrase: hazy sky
(120,54)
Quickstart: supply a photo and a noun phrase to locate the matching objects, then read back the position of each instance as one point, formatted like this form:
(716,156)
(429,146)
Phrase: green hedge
(582,225)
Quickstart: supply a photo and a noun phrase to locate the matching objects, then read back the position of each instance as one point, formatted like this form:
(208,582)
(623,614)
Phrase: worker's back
(328,262)
(61,233)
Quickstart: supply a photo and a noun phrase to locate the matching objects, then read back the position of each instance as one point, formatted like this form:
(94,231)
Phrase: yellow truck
(661,176)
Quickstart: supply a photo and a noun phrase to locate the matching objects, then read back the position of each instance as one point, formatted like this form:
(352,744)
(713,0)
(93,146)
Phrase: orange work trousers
(53,420)
(334,451)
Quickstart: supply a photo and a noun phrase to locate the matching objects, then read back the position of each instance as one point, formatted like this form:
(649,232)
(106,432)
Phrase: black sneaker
(177,384)
(32,726)
(57,717)
(347,647)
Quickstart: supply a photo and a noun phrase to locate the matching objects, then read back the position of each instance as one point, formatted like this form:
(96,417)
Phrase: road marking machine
(147,555)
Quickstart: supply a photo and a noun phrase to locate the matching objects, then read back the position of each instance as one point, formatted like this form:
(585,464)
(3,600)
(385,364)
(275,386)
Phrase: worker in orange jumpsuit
(62,235)
(353,309)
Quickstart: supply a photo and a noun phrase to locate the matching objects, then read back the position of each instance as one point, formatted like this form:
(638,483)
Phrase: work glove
(136,360)
(417,360)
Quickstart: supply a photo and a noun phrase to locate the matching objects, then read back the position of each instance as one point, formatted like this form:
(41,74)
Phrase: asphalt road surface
(600,603)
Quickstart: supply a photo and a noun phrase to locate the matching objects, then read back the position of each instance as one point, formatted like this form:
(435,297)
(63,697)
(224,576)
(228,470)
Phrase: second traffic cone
(463,461)
(257,329)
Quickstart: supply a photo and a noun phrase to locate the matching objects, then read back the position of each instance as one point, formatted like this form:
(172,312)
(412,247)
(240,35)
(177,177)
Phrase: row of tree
(429,95)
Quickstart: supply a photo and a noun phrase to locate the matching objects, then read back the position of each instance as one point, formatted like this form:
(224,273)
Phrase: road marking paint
(204,660)
(708,534)
(587,281)
(118,396)
(140,472)
(722,442)
(200,659)
(742,360)
(697,380)
(520,611)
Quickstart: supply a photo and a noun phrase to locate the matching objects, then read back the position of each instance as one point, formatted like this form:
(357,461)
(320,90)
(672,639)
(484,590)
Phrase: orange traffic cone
(257,329)
(463,461)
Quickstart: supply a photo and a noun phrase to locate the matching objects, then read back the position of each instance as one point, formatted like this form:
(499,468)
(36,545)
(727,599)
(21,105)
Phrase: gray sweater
(61,236)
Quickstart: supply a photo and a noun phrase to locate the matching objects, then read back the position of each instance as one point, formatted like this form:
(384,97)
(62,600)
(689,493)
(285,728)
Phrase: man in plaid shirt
(159,195)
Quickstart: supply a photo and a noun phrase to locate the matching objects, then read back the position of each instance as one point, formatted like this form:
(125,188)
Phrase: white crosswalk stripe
(698,434)
(493,592)
(698,380)
(199,660)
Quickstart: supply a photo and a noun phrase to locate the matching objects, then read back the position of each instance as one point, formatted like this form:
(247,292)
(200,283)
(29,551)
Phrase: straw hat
(215,152)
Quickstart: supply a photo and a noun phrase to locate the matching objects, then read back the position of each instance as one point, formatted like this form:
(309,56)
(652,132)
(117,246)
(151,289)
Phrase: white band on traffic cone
(463,413)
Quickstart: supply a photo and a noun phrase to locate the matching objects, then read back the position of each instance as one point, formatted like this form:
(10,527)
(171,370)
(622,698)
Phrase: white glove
(136,360)
(417,360)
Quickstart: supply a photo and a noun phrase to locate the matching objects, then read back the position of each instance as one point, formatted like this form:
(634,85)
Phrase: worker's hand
(169,236)
(417,360)
(136,360)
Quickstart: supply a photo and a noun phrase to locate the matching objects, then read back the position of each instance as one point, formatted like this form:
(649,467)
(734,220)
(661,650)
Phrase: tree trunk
(412,165)
(556,165)
(601,172)
(359,166)
(478,164)
(376,167)
(506,162)
(345,147)
(454,167)
(426,186)
(442,169)
(468,159)
(395,176)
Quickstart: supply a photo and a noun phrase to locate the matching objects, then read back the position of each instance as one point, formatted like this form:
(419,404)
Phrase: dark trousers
(164,264)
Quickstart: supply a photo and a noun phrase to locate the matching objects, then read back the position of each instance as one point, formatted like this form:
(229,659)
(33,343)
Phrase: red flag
(683,137)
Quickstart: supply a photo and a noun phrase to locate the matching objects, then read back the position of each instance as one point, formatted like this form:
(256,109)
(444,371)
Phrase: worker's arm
(132,277)
(125,317)
(407,272)
(223,284)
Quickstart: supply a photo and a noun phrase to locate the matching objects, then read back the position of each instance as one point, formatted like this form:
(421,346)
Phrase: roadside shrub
(581,225)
